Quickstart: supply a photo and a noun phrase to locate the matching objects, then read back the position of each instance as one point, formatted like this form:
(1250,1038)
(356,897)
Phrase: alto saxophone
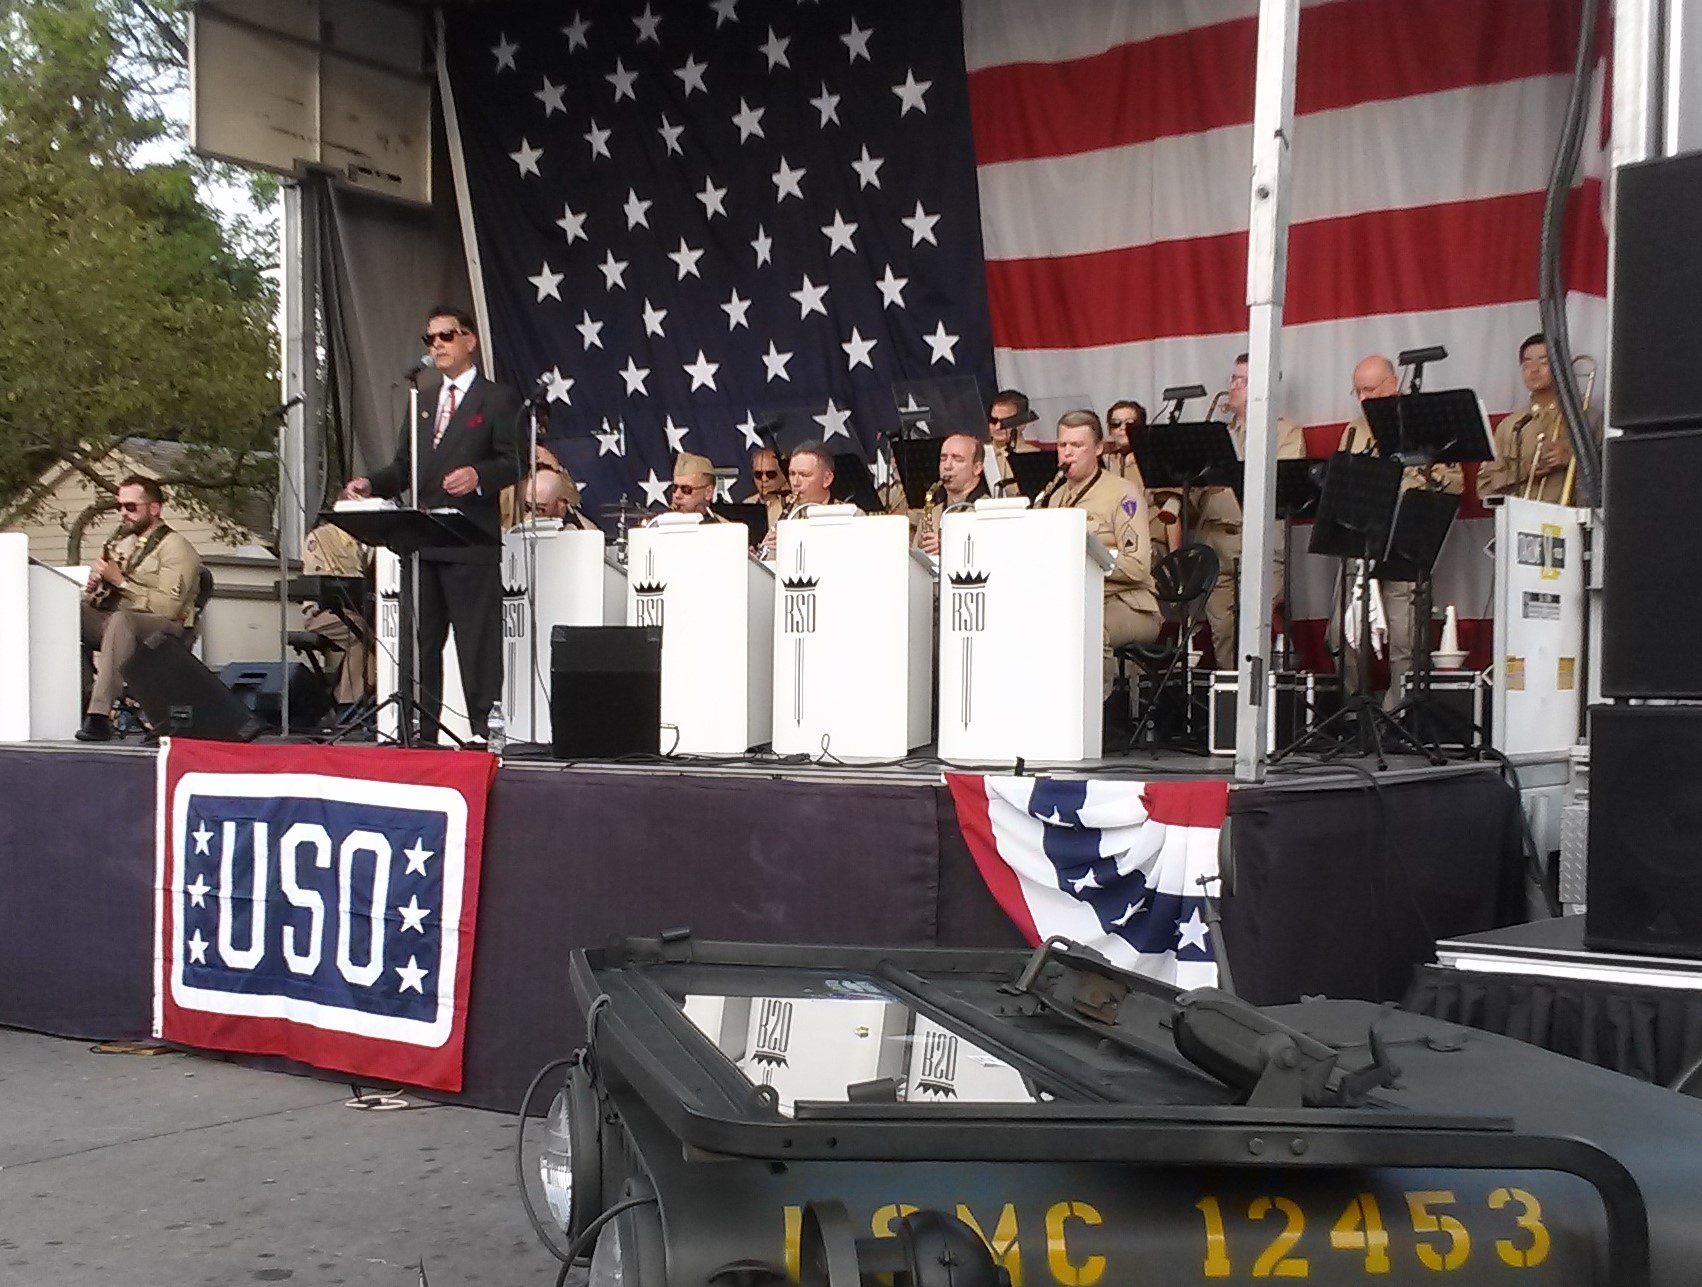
(935,495)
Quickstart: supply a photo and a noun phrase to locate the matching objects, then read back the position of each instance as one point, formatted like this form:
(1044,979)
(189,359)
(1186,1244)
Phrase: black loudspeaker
(260,685)
(182,698)
(1645,872)
(605,691)
(1657,280)
(1650,622)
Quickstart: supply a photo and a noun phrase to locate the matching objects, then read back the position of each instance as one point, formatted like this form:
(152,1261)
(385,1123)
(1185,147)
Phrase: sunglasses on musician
(765,473)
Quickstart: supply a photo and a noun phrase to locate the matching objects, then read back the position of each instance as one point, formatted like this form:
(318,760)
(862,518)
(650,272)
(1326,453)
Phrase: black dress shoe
(96,728)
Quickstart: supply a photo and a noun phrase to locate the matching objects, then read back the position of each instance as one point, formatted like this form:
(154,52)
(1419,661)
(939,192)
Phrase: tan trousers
(355,656)
(1125,625)
(113,637)
(1398,603)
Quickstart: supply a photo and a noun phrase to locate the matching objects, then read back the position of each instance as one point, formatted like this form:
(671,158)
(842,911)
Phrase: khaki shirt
(330,551)
(1516,440)
(930,516)
(165,581)
(1357,438)
(1116,514)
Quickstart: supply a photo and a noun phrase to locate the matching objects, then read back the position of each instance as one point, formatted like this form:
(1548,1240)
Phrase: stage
(1640,1015)
(1342,879)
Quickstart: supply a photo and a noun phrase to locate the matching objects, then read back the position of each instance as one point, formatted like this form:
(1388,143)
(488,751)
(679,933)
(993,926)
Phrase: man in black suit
(467,441)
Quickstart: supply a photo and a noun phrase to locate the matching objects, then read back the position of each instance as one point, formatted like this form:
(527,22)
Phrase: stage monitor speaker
(260,685)
(605,691)
(1650,624)
(1645,870)
(1657,280)
(182,698)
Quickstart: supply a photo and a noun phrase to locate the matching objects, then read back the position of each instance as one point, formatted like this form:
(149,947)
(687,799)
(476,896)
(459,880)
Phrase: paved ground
(175,1170)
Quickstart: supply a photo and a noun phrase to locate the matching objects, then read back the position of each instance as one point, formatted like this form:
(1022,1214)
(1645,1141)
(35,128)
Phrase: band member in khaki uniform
(1125,423)
(694,487)
(145,582)
(1116,514)
(1006,416)
(1216,521)
(962,481)
(552,493)
(770,481)
(328,550)
(1376,377)
(809,473)
(544,461)
(1532,451)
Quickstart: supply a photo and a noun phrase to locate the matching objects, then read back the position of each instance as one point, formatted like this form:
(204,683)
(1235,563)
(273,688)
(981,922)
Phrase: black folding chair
(1182,581)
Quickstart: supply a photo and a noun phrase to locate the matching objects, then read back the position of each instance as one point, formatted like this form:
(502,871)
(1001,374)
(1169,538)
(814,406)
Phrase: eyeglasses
(132,506)
(440,337)
(765,473)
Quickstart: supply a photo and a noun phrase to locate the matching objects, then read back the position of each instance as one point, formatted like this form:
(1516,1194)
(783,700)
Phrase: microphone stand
(408,585)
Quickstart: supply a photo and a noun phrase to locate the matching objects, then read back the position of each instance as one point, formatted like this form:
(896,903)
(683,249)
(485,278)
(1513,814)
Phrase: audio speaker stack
(605,691)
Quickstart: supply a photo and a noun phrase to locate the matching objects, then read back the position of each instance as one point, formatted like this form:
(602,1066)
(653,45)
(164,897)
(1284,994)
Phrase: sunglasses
(444,337)
(765,473)
(688,489)
(132,506)
(1124,424)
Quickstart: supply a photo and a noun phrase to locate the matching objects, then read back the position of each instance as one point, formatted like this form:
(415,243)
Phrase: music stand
(405,532)
(1355,516)
(1297,491)
(754,517)
(918,467)
(1030,470)
(1189,455)
(939,406)
(1422,521)
(1422,429)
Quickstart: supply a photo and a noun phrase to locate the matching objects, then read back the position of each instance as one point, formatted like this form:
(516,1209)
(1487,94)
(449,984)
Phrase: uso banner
(318,902)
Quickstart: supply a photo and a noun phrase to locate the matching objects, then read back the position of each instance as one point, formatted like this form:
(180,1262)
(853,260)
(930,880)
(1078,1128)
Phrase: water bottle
(496,730)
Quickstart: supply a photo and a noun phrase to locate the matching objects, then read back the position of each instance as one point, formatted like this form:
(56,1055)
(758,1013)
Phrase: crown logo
(650,587)
(800,582)
(968,580)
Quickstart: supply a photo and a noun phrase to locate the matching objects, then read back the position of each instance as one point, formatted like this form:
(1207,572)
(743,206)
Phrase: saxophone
(935,495)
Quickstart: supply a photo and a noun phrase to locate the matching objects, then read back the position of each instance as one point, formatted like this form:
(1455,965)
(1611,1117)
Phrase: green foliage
(129,309)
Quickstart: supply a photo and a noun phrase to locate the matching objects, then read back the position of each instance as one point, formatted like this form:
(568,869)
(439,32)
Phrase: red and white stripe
(1114,150)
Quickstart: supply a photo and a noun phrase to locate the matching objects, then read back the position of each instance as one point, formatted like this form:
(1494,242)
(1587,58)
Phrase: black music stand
(937,407)
(1298,486)
(1419,430)
(1031,470)
(1355,516)
(918,467)
(1189,455)
(754,517)
(405,532)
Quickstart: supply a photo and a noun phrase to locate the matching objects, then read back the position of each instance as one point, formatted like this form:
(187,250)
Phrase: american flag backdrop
(672,197)
(694,215)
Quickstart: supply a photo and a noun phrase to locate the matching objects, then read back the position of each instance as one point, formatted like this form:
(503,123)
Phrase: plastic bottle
(496,730)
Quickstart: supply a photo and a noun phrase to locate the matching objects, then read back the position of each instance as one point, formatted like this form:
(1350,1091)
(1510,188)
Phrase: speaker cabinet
(260,685)
(1657,281)
(182,698)
(1651,621)
(1645,872)
(605,691)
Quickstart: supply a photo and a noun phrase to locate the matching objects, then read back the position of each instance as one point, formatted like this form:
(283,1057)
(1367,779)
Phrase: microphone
(419,364)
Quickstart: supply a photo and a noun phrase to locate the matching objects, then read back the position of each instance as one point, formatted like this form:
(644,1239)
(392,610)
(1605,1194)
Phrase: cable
(595,1227)
(519,1152)
(1551,271)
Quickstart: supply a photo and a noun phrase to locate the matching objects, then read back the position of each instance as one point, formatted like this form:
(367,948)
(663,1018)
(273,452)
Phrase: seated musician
(694,487)
(962,481)
(552,493)
(328,550)
(770,483)
(545,462)
(809,472)
(1006,416)
(1116,514)
(1125,425)
(1532,450)
(1377,377)
(145,581)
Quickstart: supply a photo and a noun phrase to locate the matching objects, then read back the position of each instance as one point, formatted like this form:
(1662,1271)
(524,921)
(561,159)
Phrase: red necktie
(445,413)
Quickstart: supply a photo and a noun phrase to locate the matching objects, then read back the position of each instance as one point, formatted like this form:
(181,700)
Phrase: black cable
(519,1153)
(1551,271)
(592,1229)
